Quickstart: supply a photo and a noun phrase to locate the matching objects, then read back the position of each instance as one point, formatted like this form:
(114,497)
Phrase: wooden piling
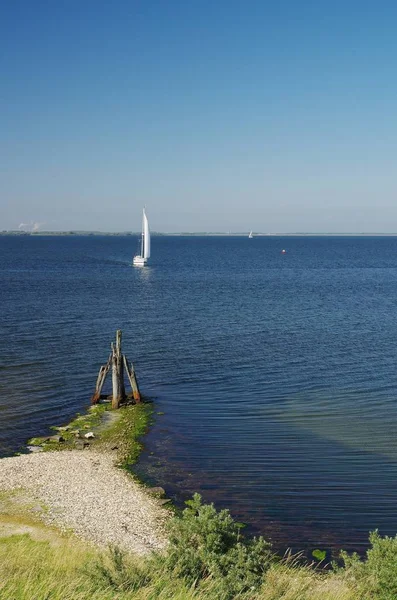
(129,367)
(117,372)
(119,363)
(103,371)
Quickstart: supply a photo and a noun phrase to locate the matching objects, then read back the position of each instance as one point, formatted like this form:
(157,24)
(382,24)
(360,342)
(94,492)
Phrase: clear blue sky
(271,116)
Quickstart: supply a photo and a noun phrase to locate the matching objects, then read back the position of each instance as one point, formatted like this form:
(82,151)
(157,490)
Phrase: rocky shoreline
(86,493)
(75,482)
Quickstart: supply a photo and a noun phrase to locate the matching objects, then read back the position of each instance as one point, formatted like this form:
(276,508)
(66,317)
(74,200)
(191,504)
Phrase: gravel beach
(85,492)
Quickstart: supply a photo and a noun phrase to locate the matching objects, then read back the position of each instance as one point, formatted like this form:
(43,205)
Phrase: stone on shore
(158,492)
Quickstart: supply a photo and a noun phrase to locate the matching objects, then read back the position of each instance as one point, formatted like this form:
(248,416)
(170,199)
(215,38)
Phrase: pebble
(88,493)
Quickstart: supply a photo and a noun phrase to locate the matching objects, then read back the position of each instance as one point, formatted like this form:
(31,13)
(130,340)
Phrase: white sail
(140,260)
(146,236)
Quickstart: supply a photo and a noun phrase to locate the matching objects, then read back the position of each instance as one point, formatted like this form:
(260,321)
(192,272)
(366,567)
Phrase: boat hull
(139,261)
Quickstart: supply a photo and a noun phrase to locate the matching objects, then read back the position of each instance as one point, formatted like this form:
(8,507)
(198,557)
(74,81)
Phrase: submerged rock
(158,492)
(35,448)
(81,444)
(37,441)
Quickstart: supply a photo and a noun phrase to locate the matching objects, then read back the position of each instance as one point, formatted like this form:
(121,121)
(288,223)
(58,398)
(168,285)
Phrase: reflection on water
(144,273)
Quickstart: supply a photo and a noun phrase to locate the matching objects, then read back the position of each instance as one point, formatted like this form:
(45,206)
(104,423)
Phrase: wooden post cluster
(118,362)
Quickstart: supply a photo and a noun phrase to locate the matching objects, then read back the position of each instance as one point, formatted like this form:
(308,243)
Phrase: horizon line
(196,233)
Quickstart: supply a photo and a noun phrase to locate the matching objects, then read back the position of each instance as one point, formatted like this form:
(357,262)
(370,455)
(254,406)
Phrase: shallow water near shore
(275,373)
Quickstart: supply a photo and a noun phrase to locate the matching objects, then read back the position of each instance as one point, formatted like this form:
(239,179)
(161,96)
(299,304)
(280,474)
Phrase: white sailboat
(141,259)
(250,235)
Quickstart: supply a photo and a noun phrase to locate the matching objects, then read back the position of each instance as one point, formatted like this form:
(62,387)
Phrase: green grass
(35,570)
(126,432)
(125,428)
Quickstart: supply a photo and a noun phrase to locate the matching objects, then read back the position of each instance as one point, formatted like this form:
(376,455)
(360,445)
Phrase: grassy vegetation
(207,558)
(125,432)
(119,430)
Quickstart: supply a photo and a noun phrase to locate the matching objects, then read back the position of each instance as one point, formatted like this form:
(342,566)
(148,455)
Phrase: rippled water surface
(275,374)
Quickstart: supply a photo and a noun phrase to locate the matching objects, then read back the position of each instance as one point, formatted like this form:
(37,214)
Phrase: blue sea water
(273,375)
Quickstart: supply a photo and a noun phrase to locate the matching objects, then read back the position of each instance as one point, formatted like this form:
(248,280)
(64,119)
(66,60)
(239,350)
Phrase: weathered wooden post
(117,372)
(103,371)
(118,362)
(129,367)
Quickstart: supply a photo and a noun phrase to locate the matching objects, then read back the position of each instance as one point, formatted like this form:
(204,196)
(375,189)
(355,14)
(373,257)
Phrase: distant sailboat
(141,259)
(250,235)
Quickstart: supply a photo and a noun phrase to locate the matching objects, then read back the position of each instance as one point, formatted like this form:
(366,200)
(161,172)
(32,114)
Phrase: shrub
(205,544)
(376,577)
